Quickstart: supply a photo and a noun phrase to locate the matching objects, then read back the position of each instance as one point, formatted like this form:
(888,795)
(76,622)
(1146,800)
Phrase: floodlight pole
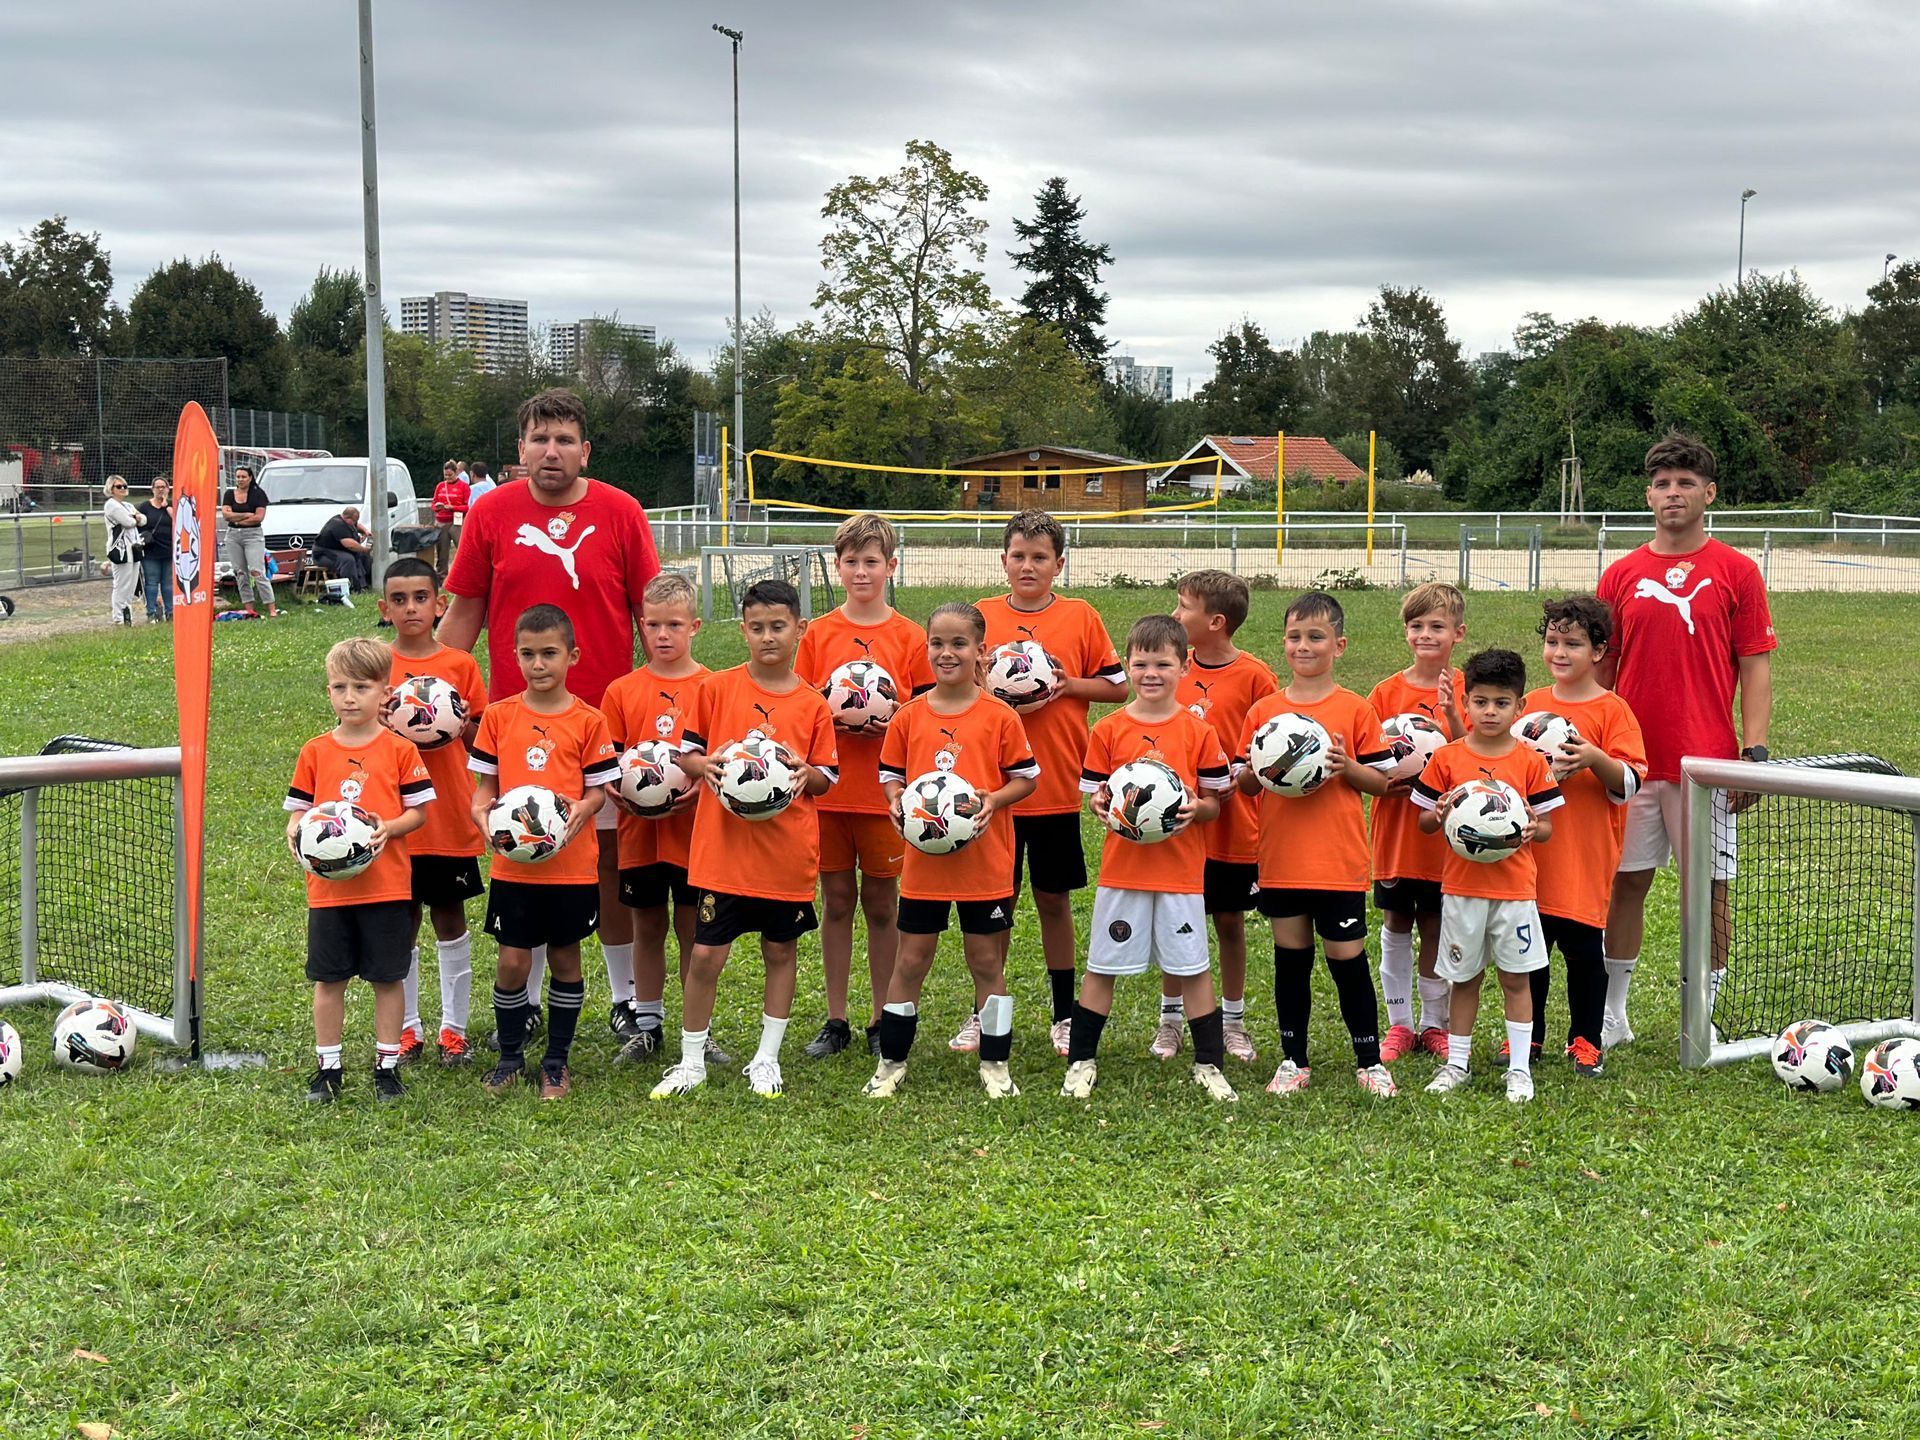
(1891,257)
(1740,265)
(375,311)
(736,485)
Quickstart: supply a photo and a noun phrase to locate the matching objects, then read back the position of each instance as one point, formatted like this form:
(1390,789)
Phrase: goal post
(1821,916)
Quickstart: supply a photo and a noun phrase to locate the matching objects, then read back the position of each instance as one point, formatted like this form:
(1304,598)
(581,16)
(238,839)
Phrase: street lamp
(1891,257)
(1740,266)
(734,37)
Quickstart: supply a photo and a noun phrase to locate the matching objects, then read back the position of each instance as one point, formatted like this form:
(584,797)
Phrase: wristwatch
(1756,753)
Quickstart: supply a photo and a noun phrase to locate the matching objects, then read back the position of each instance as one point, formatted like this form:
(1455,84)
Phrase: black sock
(1582,947)
(564,999)
(1540,982)
(1209,1037)
(996,1049)
(1063,996)
(510,1024)
(896,1035)
(1087,1025)
(1293,999)
(1359,1006)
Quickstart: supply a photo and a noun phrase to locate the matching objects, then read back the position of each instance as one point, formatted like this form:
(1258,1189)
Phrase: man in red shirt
(1691,625)
(560,539)
(450,498)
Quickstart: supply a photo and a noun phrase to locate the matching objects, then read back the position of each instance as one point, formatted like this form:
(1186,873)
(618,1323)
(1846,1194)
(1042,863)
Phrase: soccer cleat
(501,1079)
(1506,1050)
(1290,1079)
(1082,1075)
(1167,1039)
(682,1079)
(455,1052)
(1062,1036)
(1519,1087)
(1588,1059)
(1398,1043)
(643,1044)
(412,1045)
(1615,1033)
(1210,1079)
(386,1084)
(1377,1080)
(1433,1040)
(556,1081)
(763,1078)
(715,1056)
(886,1080)
(966,1039)
(1239,1043)
(834,1036)
(325,1087)
(1447,1079)
(623,1020)
(997,1077)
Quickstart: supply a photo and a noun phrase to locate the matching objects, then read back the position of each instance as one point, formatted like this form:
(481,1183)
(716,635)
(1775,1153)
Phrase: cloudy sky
(1279,161)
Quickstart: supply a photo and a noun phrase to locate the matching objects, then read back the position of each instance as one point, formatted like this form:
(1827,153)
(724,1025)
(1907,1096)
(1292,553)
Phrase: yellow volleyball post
(1279,495)
(726,488)
(1370,439)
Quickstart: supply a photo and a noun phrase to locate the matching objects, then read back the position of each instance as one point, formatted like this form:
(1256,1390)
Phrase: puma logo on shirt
(537,539)
(1650,589)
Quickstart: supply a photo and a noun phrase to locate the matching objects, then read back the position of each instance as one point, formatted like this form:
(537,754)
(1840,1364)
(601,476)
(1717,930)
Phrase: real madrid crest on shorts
(708,903)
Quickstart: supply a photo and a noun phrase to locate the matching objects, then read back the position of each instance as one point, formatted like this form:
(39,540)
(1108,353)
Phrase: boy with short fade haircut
(1046,825)
(1222,683)
(1149,908)
(1487,911)
(861,853)
(360,927)
(753,876)
(1313,849)
(1407,861)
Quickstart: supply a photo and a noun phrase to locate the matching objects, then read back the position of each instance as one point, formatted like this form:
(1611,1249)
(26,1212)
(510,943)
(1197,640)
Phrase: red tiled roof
(1254,454)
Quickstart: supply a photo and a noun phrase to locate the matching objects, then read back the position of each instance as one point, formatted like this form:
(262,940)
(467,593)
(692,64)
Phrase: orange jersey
(641,706)
(900,648)
(449,829)
(1072,633)
(568,753)
(776,858)
(1190,748)
(1222,695)
(1400,851)
(1516,877)
(986,745)
(1317,841)
(382,777)
(1576,868)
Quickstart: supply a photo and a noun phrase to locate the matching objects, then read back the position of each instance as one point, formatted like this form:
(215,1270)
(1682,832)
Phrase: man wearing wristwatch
(1691,626)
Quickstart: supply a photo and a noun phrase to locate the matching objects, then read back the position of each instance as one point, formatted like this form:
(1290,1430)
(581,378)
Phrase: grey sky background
(1268,160)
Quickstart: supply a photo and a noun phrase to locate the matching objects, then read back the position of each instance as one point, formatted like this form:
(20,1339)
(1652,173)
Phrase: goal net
(727,572)
(1818,918)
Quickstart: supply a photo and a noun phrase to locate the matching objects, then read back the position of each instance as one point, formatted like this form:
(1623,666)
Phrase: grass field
(1655,1253)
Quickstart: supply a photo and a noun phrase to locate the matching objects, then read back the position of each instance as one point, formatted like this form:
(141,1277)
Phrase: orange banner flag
(196,498)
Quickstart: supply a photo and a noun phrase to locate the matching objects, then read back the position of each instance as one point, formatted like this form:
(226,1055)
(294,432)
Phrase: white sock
(1174,1008)
(537,976)
(456,981)
(1619,977)
(619,971)
(410,990)
(1233,1012)
(1460,1047)
(655,1010)
(329,1056)
(1714,977)
(1396,975)
(1520,1046)
(772,1033)
(1436,995)
(693,1050)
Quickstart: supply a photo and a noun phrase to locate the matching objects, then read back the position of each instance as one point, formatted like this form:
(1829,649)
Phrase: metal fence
(77,420)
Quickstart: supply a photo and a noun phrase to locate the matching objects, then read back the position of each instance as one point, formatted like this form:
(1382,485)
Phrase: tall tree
(1255,386)
(201,308)
(1889,335)
(1065,290)
(56,290)
(326,340)
(1403,376)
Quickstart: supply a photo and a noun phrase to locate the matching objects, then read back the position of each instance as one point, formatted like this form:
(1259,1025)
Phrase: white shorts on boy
(1476,932)
(1134,929)
(1655,829)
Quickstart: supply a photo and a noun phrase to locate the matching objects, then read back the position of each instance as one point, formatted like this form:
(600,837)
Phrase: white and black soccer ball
(335,840)
(1544,732)
(940,812)
(1023,674)
(756,779)
(651,780)
(1812,1055)
(94,1036)
(528,824)
(1890,1075)
(1145,800)
(861,697)
(1411,740)
(1485,822)
(1291,755)
(10,1057)
(426,710)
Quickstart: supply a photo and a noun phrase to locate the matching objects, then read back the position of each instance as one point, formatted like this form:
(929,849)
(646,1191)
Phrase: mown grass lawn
(1656,1253)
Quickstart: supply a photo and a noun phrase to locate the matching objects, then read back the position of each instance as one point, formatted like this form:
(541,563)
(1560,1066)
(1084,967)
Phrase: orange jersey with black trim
(776,858)
(383,777)
(449,829)
(1189,747)
(1517,876)
(985,745)
(1400,851)
(1222,695)
(568,753)
(899,647)
(1071,631)
(1317,841)
(639,706)
(1577,866)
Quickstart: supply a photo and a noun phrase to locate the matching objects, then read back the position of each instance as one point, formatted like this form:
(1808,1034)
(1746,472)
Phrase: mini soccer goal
(732,570)
(1818,919)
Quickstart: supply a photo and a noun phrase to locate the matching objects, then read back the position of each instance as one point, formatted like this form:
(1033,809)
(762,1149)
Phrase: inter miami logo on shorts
(1120,932)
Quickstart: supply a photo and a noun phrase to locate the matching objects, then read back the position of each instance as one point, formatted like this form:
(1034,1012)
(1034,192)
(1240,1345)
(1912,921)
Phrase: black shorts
(369,942)
(723,919)
(446,879)
(646,887)
(1229,887)
(977,917)
(522,916)
(1573,940)
(1049,848)
(1337,914)
(1407,897)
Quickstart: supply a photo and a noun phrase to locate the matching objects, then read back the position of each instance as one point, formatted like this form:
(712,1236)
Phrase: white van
(302,495)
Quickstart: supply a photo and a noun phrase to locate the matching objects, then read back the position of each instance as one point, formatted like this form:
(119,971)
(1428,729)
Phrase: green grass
(1656,1253)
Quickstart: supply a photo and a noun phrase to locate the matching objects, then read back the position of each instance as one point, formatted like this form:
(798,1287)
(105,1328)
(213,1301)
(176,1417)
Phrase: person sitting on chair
(341,548)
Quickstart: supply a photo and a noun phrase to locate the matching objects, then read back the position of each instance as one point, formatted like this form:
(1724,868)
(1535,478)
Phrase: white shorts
(1135,928)
(1654,829)
(1475,931)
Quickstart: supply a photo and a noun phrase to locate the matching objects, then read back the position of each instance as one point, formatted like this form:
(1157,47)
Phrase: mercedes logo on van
(295,542)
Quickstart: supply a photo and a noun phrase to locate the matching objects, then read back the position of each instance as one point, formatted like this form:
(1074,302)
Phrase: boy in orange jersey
(956,729)
(753,876)
(543,736)
(1487,912)
(446,851)
(1600,772)
(1406,861)
(652,703)
(1221,684)
(1046,825)
(360,926)
(860,850)
(1313,849)
(1150,907)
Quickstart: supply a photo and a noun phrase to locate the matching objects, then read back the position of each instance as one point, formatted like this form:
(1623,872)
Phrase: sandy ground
(43,610)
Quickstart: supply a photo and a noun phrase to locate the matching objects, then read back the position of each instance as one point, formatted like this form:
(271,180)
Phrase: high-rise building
(1155,381)
(495,331)
(565,342)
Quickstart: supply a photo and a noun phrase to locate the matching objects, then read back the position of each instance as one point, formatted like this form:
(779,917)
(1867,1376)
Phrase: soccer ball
(528,824)
(757,780)
(1545,732)
(1411,740)
(1890,1076)
(335,840)
(1485,821)
(10,1060)
(1146,800)
(861,696)
(940,813)
(1023,674)
(651,780)
(1291,755)
(93,1035)
(1812,1055)
(426,710)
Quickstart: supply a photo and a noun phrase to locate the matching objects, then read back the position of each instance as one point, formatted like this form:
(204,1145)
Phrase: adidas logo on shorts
(1184,930)
(999,913)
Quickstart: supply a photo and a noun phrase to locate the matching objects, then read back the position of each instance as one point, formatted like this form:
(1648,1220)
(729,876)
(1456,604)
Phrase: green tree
(1255,387)
(201,308)
(853,404)
(1889,335)
(1403,376)
(773,357)
(56,290)
(326,349)
(1065,289)
(1026,381)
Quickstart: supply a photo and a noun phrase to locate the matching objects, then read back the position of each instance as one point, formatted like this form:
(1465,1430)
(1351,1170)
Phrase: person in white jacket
(123,534)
